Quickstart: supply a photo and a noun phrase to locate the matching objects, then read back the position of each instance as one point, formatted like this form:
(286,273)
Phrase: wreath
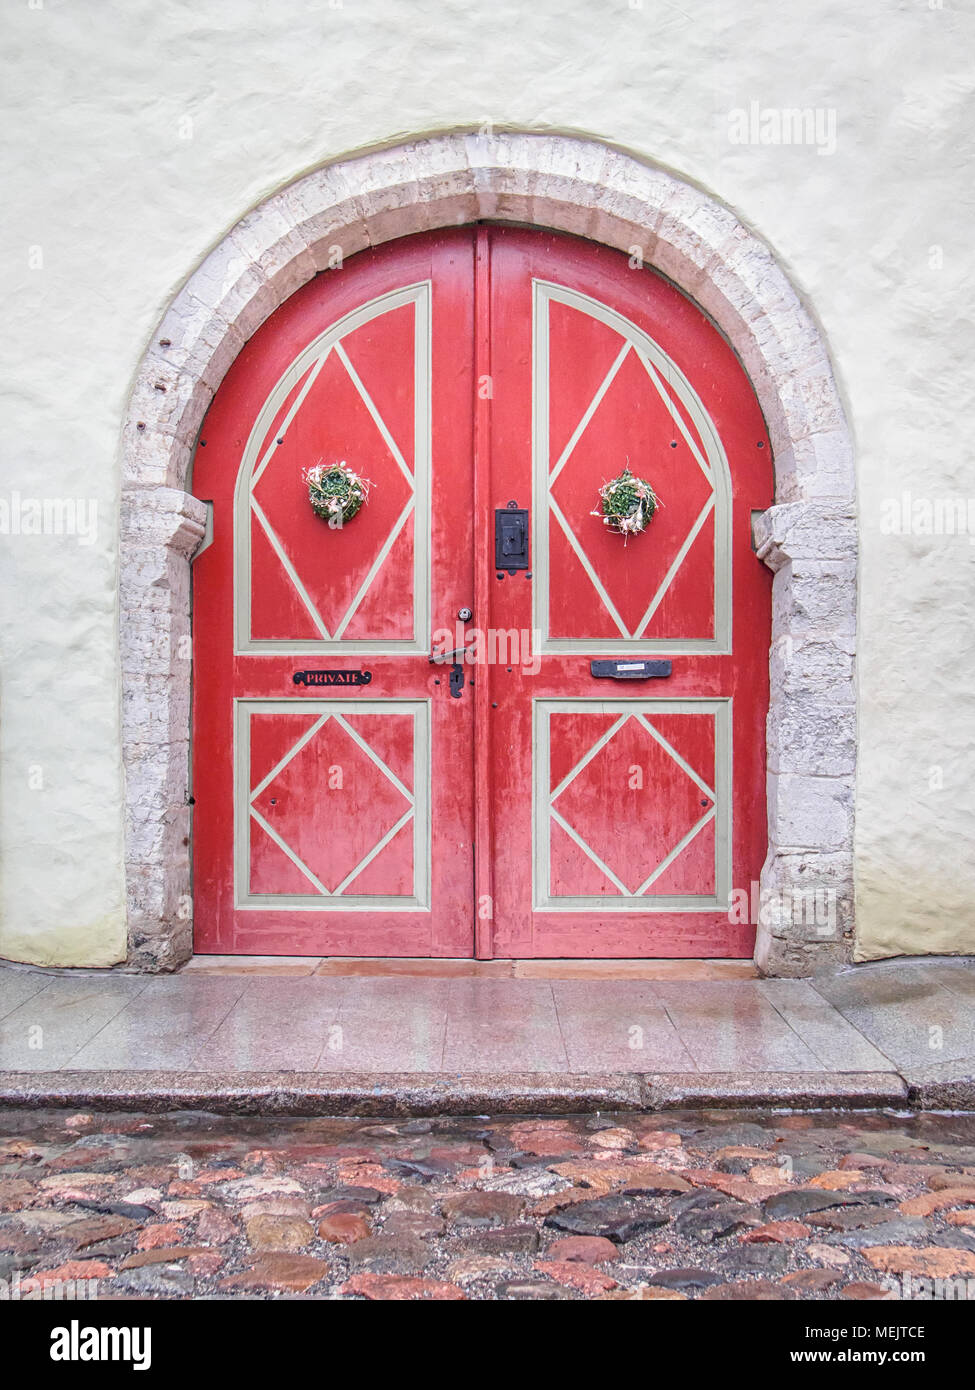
(335,492)
(627,504)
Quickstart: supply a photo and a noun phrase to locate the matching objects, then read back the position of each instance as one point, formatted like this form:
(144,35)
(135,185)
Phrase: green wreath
(335,492)
(627,504)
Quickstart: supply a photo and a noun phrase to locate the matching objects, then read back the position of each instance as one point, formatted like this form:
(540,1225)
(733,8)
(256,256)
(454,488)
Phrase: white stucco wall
(136,135)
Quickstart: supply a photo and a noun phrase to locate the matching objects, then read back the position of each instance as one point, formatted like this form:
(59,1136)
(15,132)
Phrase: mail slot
(630,670)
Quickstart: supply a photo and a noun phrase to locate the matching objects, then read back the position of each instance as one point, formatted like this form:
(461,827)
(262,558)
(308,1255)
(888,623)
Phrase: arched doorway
(808,538)
(585,775)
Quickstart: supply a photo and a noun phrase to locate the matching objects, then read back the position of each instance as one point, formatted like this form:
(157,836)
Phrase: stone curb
(871,1090)
(317,1093)
(304,1093)
(945,1087)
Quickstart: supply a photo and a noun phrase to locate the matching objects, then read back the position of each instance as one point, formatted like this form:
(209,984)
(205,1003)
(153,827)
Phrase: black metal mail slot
(332,677)
(630,670)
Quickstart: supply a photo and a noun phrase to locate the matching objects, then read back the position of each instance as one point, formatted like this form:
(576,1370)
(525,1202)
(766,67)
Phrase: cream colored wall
(136,135)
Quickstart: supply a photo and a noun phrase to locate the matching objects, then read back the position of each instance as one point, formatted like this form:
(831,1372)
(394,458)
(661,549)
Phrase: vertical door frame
(808,538)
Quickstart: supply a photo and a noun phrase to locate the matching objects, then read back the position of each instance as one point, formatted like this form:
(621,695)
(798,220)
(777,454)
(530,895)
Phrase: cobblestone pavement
(711,1205)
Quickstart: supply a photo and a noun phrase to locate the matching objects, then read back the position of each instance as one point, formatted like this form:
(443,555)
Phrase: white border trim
(543,899)
(714,466)
(420,814)
(310,362)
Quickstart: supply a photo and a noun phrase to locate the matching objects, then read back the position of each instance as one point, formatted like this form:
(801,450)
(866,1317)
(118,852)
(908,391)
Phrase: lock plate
(511,538)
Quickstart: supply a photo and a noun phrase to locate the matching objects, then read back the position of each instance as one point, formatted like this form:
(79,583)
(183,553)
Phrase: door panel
(658,768)
(641,408)
(374,589)
(338,822)
(643,799)
(346,805)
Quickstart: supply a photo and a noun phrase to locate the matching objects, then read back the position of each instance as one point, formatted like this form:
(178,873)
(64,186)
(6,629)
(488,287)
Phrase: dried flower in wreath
(627,504)
(335,492)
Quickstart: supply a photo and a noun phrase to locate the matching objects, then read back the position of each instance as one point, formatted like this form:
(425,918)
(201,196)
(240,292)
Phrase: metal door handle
(441,658)
(456,680)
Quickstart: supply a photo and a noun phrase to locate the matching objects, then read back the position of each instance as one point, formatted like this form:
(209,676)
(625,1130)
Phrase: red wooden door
(318,807)
(462,372)
(623,811)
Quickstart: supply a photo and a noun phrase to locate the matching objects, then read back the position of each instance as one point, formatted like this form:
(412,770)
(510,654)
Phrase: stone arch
(808,537)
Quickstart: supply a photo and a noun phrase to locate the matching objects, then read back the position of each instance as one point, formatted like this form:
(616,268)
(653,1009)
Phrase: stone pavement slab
(906,1009)
(892,1032)
(17,985)
(503,1025)
(617,1025)
(382,1019)
(833,1040)
(53,1024)
(164,1026)
(280,1023)
(733,1026)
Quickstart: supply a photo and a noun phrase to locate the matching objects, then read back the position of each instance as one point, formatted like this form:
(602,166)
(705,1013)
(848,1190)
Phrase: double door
(473,718)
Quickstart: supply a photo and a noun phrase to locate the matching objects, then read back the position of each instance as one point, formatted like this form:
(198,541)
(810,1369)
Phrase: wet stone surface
(704,1205)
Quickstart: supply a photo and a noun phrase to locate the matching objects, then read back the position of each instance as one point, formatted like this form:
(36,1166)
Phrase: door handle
(456,681)
(441,658)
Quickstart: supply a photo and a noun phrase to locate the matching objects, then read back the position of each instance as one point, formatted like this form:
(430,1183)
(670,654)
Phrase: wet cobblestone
(703,1205)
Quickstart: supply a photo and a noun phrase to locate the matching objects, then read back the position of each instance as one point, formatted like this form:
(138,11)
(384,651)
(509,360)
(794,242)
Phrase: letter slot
(630,670)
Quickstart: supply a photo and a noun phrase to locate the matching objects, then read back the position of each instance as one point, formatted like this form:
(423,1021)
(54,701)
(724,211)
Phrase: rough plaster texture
(158,127)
